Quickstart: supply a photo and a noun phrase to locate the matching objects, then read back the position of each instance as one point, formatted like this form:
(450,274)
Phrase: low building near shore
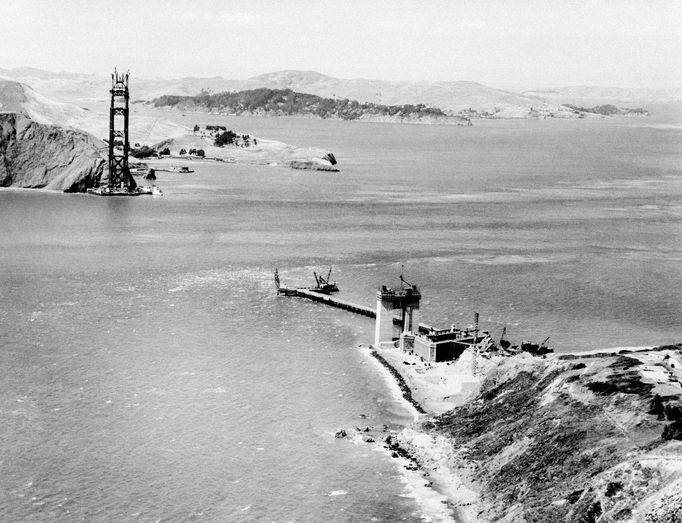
(438,345)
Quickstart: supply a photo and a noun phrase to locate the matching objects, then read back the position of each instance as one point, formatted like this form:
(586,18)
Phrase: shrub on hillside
(143,152)
(225,138)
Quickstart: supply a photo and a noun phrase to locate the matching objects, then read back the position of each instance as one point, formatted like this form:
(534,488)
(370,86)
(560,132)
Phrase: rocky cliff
(36,155)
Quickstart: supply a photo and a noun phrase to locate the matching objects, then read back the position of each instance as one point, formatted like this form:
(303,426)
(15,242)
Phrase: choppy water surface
(149,373)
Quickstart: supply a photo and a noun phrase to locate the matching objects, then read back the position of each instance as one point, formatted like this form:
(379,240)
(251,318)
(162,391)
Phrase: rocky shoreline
(443,493)
(406,391)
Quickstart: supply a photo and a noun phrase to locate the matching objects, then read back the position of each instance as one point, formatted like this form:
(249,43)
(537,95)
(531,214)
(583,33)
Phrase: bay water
(149,372)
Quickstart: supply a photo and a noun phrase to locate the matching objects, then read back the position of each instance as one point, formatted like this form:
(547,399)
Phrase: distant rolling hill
(614,95)
(453,97)
(468,99)
(448,96)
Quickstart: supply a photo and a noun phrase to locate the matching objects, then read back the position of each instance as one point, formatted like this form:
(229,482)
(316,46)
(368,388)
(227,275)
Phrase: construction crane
(504,343)
(324,285)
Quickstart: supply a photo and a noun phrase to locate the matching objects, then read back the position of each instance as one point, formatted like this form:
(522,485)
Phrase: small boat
(184,170)
(153,190)
(139,169)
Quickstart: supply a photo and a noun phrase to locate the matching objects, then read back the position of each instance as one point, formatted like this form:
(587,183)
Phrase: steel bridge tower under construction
(119,146)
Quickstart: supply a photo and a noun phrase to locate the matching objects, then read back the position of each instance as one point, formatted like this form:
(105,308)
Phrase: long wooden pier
(329,300)
(339,304)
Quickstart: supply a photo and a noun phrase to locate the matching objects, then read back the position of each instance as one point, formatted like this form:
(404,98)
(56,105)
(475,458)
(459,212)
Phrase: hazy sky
(504,43)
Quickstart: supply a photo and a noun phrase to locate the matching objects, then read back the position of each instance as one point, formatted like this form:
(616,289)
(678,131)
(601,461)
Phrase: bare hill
(83,88)
(16,97)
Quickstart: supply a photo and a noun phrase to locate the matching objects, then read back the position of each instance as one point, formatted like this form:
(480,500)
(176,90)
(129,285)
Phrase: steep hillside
(36,155)
(19,98)
(567,438)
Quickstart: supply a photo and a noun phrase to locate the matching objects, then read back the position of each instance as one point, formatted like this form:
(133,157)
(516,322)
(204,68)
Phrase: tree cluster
(143,152)
(229,137)
(285,102)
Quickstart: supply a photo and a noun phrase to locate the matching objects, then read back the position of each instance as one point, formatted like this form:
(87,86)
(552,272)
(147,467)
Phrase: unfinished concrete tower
(406,299)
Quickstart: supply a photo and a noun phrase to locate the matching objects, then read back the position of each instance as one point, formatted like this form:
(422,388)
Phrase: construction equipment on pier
(504,343)
(310,294)
(324,285)
(422,340)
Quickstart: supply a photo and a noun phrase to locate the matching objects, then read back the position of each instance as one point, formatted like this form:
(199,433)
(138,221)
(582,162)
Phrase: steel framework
(119,146)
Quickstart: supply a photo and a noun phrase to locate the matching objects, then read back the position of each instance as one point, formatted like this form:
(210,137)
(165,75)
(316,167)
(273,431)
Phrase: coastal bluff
(40,156)
(566,437)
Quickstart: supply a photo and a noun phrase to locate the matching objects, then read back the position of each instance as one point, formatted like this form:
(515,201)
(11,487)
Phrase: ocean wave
(514,259)
(221,279)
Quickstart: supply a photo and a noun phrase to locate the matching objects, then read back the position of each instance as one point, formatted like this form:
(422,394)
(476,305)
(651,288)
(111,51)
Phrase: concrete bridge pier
(388,300)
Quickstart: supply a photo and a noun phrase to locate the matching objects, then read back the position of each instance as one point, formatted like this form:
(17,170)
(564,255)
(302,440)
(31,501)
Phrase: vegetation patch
(628,382)
(285,102)
(625,362)
(613,488)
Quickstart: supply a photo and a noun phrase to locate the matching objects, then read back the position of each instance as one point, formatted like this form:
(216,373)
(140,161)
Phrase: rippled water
(149,373)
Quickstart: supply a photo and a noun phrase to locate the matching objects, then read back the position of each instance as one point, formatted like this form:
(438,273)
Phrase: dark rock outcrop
(313,164)
(673,431)
(34,155)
